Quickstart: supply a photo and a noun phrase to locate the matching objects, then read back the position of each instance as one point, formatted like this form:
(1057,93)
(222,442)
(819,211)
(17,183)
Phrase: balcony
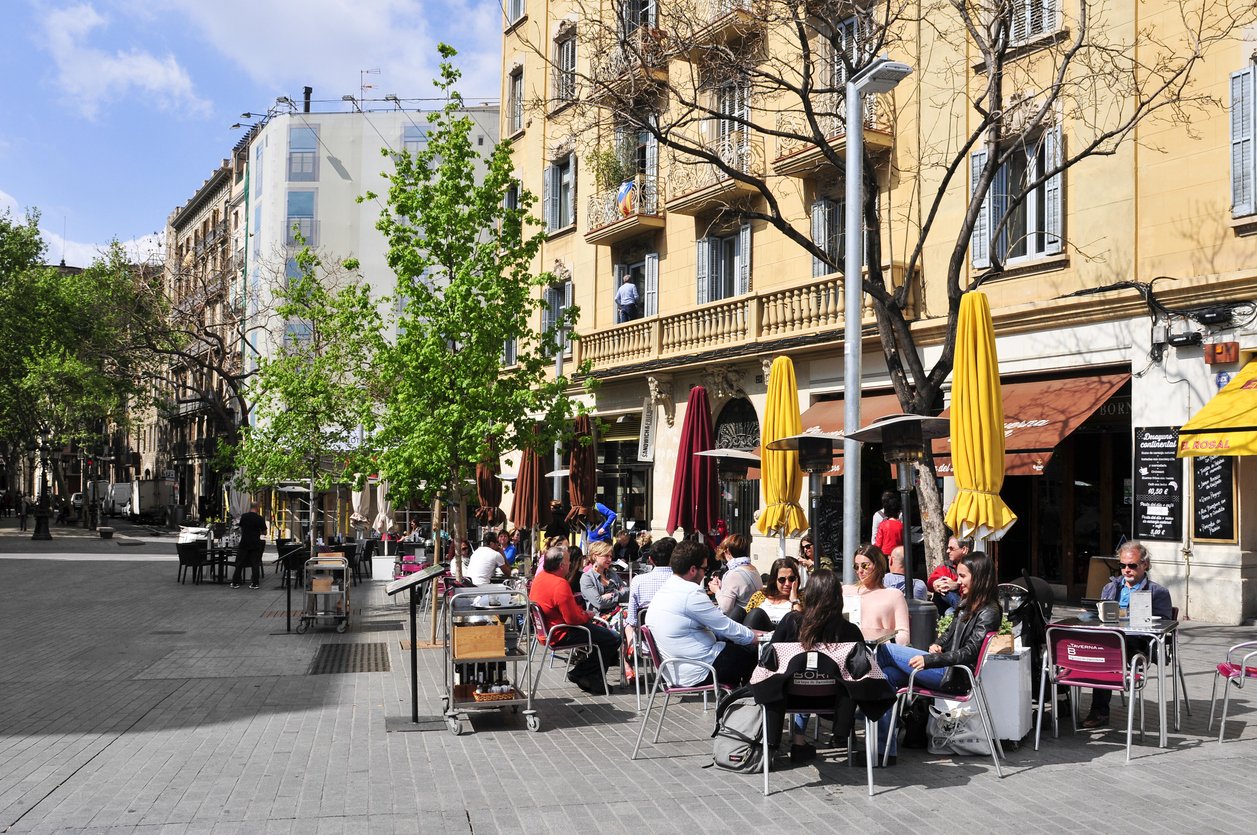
(799,158)
(812,309)
(635,62)
(627,210)
(699,185)
(718,22)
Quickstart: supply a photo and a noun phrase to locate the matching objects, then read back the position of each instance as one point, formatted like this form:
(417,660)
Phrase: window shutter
(651,12)
(547,311)
(1243,159)
(652,157)
(651,302)
(744,260)
(567,305)
(702,259)
(550,198)
(1053,195)
(999,198)
(618,271)
(571,189)
(1018,25)
(980,241)
(820,235)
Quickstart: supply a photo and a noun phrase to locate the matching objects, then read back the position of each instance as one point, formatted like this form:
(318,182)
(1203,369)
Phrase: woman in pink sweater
(877,610)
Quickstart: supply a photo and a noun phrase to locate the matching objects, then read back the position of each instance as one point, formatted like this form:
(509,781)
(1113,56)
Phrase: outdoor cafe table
(220,557)
(1162,632)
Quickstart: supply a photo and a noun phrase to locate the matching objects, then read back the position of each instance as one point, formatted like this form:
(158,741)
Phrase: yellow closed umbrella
(779,469)
(977,427)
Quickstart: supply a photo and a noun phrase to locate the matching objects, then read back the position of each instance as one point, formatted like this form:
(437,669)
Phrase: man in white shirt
(626,300)
(485,560)
(686,624)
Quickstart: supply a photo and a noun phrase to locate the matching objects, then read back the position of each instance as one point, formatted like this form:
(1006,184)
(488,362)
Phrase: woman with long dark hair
(818,620)
(979,613)
(777,599)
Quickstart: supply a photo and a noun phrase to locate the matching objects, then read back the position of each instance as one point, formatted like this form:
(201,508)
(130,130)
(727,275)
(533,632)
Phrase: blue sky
(115,111)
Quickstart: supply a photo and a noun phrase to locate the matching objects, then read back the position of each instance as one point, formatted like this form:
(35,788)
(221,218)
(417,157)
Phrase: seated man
(894,578)
(1133,557)
(942,581)
(553,595)
(643,587)
(686,624)
(485,560)
(625,549)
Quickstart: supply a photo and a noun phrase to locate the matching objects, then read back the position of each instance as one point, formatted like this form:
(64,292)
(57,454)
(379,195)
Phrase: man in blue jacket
(602,531)
(1133,557)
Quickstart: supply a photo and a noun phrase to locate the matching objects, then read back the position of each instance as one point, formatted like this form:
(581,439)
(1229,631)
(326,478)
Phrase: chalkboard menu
(1158,483)
(1213,498)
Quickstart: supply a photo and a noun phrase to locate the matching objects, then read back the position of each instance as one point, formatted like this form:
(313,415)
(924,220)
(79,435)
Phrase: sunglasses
(864,566)
(1131,565)
(789,579)
(806,545)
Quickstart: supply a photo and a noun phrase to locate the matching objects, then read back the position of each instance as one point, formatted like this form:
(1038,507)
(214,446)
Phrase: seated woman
(979,613)
(777,599)
(602,588)
(880,612)
(819,621)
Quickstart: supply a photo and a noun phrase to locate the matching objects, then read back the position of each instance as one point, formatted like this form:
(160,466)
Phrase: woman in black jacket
(979,614)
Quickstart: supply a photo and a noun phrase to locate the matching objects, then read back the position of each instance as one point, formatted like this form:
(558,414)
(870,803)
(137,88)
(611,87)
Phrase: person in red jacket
(942,580)
(890,531)
(553,595)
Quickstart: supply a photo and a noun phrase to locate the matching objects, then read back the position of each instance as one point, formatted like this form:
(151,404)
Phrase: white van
(117,499)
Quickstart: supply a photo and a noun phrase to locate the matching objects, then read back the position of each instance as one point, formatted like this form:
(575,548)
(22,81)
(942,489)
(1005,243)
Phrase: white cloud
(142,250)
(287,44)
(91,77)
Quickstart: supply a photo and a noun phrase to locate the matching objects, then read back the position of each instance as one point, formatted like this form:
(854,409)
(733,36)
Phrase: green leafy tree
(314,396)
(464,254)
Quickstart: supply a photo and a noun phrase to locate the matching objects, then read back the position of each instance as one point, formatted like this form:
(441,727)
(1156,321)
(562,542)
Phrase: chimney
(305,93)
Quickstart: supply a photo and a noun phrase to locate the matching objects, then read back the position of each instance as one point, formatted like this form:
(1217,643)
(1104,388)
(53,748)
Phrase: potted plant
(1001,644)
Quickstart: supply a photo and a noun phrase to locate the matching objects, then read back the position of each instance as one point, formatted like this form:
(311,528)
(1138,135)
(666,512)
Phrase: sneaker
(1096,720)
(235,585)
(253,585)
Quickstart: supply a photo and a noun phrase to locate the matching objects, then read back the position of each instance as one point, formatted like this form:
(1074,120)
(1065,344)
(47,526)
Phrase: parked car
(76,501)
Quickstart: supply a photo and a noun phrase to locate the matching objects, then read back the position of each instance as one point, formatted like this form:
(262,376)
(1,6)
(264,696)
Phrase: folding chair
(570,641)
(643,664)
(712,687)
(815,686)
(976,696)
(1232,673)
(1094,658)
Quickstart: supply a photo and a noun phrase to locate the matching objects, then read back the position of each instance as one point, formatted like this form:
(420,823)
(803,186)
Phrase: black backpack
(739,733)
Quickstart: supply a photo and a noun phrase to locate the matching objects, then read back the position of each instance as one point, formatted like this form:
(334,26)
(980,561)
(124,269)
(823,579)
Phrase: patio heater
(816,457)
(731,464)
(903,439)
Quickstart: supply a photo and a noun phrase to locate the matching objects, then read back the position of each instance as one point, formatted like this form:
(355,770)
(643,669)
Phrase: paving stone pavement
(131,703)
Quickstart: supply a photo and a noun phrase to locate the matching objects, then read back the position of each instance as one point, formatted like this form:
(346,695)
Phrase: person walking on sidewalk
(23,507)
(252,528)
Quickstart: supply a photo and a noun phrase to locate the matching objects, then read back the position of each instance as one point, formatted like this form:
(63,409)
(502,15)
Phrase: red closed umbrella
(582,480)
(694,484)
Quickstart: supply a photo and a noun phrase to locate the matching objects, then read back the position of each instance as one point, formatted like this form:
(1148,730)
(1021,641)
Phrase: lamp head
(881,76)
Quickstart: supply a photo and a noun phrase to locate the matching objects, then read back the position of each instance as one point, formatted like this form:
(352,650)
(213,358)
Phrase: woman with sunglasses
(780,597)
(879,612)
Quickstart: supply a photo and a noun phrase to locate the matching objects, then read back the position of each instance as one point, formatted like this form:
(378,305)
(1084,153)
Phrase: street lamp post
(881,76)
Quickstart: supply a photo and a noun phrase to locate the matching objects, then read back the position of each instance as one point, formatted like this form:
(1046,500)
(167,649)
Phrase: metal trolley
(327,592)
(487,628)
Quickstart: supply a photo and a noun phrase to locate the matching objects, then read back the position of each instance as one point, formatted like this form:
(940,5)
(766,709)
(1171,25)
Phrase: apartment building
(664,142)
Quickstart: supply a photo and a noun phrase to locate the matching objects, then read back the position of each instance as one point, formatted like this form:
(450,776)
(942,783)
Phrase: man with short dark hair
(643,587)
(1133,562)
(625,548)
(249,552)
(486,560)
(686,624)
(553,595)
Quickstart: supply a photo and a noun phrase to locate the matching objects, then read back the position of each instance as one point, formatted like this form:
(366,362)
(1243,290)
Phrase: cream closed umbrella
(977,427)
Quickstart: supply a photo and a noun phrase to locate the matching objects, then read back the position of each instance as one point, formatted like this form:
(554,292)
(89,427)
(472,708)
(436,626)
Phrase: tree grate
(350,658)
(378,626)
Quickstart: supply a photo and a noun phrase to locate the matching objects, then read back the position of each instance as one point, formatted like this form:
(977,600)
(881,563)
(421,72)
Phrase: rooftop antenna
(363,86)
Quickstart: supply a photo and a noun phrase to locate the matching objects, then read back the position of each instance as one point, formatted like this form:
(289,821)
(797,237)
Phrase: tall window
(1032,18)
(565,69)
(414,138)
(560,193)
(257,170)
(829,219)
(1029,209)
(730,101)
(723,265)
(301,218)
(303,154)
(514,10)
(634,14)
(1243,137)
(558,298)
(644,275)
(515,101)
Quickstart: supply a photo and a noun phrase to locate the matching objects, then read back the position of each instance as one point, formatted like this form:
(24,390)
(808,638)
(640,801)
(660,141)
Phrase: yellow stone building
(687,206)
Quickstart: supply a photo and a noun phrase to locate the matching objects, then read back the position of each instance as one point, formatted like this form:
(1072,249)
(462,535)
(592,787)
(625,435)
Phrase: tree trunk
(460,529)
(930,503)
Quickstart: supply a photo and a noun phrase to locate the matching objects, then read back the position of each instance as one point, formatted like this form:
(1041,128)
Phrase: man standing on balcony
(626,300)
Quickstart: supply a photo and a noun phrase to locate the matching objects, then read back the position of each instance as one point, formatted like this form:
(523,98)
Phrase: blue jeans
(893,659)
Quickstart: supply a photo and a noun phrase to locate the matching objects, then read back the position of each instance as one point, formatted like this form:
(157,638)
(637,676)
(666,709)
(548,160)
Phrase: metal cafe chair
(571,641)
(1233,671)
(671,665)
